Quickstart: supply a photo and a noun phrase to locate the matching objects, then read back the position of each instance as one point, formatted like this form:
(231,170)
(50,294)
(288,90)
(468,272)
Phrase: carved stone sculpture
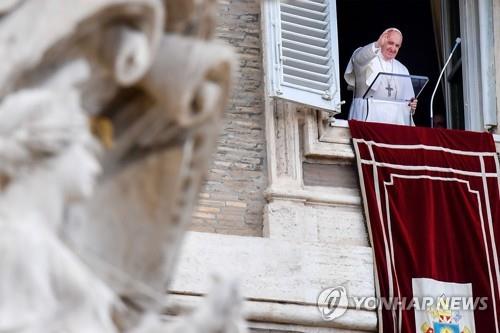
(154,82)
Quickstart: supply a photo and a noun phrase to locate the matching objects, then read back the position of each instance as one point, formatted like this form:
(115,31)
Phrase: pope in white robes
(392,97)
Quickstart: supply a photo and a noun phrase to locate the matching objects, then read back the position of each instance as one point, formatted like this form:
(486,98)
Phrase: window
(475,67)
(301,52)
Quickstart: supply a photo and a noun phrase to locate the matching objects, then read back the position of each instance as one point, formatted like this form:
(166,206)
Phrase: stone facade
(232,199)
(267,179)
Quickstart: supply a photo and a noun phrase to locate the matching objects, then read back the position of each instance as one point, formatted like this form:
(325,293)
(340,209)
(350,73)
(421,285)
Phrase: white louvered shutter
(302,52)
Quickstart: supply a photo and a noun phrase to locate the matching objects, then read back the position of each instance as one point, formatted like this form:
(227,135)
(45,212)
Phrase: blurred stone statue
(43,285)
(87,253)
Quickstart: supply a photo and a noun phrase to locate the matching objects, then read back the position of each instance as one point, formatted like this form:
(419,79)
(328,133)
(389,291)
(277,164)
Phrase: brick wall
(231,201)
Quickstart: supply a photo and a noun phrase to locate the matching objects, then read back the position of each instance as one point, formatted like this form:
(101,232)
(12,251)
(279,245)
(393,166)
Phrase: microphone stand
(457,41)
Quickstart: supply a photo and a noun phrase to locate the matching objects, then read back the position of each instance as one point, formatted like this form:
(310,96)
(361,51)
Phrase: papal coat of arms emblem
(444,320)
(443,314)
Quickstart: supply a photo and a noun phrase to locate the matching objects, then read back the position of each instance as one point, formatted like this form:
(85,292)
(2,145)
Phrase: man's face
(391,47)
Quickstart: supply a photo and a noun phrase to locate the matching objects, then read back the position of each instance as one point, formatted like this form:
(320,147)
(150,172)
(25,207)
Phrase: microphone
(457,41)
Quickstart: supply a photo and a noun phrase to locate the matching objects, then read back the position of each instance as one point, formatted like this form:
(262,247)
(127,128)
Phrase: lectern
(388,96)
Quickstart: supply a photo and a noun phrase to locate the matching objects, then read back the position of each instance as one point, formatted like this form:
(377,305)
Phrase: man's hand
(381,40)
(413,104)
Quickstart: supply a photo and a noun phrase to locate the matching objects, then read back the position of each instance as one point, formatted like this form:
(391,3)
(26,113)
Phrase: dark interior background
(360,22)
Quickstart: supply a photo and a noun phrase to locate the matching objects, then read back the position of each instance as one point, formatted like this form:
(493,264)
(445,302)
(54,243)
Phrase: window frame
(478,64)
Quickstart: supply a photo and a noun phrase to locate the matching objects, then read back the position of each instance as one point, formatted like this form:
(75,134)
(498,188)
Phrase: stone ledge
(273,270)
(315,194)
(260,314)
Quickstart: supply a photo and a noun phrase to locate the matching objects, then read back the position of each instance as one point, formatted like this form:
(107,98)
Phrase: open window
(304,62)
(301,52)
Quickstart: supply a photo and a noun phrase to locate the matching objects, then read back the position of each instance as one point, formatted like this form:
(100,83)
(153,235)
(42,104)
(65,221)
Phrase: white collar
(386,65)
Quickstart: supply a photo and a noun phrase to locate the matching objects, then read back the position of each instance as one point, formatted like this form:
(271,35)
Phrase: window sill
(334,142)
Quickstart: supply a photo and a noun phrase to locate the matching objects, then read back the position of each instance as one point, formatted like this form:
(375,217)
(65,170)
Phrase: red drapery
(431,201)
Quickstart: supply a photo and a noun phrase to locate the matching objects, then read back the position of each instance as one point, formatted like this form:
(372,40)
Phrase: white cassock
(390,94)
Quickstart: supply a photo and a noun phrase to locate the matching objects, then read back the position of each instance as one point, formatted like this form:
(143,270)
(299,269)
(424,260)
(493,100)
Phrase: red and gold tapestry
(432,206)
